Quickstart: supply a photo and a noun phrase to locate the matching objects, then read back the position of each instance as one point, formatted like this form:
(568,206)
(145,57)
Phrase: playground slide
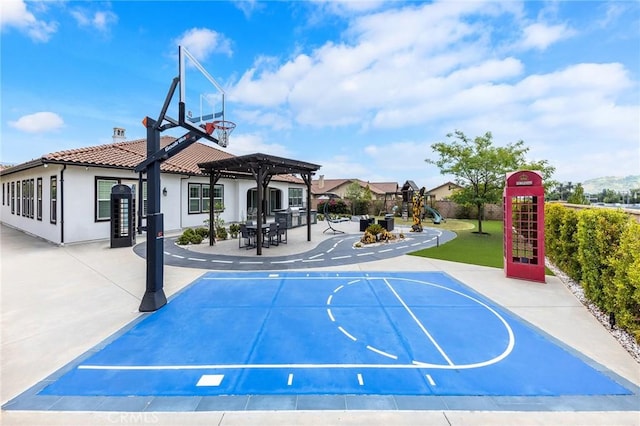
(434,215)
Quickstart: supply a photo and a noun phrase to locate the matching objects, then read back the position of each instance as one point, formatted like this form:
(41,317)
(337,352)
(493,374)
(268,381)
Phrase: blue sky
(362,88)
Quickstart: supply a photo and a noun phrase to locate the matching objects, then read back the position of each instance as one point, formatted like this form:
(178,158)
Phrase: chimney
(321,182)
(118,134)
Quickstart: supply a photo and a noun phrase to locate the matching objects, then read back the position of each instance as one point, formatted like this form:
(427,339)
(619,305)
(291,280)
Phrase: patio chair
(246,238)
(282,231)
(272,234)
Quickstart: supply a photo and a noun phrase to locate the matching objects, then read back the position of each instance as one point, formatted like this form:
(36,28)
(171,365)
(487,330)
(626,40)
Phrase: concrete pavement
(58,302)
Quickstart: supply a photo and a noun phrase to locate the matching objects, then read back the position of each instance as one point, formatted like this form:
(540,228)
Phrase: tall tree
(480,168)
(577,196)
(353,193)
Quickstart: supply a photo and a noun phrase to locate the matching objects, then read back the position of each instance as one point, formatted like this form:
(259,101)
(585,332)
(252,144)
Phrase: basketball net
(221,129)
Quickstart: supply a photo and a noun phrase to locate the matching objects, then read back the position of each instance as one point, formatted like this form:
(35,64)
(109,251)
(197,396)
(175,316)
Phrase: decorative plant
(189,236)
(221,233)
(234,230)
(374,228)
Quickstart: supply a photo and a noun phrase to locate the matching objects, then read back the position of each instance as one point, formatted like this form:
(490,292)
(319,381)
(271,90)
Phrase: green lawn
(469,247)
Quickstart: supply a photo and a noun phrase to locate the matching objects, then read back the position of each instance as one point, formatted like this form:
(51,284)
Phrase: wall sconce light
(45,165)
(164,191)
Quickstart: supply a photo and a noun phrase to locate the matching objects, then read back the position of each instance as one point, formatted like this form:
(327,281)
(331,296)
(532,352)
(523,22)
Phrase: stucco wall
(77,196)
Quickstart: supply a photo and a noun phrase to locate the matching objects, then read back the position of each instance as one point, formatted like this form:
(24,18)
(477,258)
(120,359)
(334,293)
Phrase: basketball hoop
(221,129)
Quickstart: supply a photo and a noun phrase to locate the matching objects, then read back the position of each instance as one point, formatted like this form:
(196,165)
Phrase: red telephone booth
(524,226)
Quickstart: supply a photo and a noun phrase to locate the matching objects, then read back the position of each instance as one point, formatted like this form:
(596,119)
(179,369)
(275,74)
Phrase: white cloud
(14,13)
(442,71)
(540,36)
(98,20)
(248,7)
(381,76)
(348,7)
(614,10)
(202,42)
(250,143)
(39,122)
(275,120)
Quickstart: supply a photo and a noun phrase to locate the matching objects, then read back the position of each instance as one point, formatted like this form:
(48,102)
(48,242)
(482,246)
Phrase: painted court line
(417,321)
(331,315)
(383,353)
(430,380)
(346,333)
(210,380)
(415,366)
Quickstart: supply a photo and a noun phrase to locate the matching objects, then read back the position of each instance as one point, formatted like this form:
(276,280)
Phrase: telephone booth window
(524,231)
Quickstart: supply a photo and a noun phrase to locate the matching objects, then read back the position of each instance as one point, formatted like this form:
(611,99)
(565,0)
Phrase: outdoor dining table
(253,228)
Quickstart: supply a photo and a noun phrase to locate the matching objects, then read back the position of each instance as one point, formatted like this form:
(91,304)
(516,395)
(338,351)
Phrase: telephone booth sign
(122,216)
(523,202)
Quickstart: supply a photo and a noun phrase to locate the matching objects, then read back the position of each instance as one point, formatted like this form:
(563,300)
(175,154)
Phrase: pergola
(262,167)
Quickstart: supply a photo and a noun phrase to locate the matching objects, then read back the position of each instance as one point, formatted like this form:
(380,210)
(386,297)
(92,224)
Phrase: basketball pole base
(152,301)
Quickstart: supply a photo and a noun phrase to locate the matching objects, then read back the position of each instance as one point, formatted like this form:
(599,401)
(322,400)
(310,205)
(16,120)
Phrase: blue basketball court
(315,333)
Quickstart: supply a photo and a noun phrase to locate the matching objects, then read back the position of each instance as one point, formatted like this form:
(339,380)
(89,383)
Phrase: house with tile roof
(65,196)
(387,193)
(443,192)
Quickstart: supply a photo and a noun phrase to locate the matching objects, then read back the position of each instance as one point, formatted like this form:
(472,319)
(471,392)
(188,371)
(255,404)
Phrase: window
(39,198)
(195,198)
(25,198)
(53,196)
(3,193)
(218,198)
(13,198)
(18,198)
(295,197)
(103,198)
(31,198)
(199,195)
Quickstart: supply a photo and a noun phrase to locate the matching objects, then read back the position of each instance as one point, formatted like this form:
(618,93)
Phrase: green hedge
(600,248)
(626,280)
(561,243)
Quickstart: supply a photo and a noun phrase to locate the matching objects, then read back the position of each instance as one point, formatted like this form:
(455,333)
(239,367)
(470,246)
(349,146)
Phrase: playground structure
(417,208)
(433,214)
(417,201)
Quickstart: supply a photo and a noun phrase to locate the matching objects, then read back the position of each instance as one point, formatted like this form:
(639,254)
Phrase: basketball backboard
(201,98)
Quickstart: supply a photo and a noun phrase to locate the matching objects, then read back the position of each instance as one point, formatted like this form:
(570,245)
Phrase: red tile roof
(130,153)
(330,185)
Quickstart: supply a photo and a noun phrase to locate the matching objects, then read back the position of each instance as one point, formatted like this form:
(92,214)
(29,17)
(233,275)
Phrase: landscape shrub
(334,206)
(599,233)
(221,233)
(569,262)
(234,229)
(203,232)
(553,220)
(626,280)
(189,236)
(600,248)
